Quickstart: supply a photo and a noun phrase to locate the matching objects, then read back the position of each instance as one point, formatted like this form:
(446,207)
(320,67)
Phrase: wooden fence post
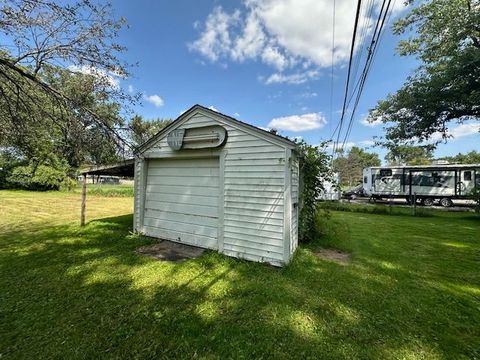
(84,200)
(390,203)
(414,204)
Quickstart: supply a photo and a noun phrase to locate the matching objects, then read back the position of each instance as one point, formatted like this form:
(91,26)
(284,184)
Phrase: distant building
(440,162)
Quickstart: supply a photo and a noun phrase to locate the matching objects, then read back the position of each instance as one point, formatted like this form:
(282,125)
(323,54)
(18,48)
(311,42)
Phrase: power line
(368,10)
(365,73)
(363,37)
(357,16)
(369,52)
(366,23)
(370,57)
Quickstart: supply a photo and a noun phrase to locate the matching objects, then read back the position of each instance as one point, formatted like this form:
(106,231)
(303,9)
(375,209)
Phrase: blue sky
(264,62)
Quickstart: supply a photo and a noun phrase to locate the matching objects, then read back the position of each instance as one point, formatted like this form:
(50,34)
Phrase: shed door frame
(189,154)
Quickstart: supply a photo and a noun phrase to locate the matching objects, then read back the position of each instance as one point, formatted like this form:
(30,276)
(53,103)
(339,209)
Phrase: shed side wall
(253,191)
(139,194)
(294,168)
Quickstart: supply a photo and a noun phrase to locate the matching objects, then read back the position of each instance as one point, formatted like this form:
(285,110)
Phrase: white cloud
(459,131)
(215,39)
(298,122)
(282,33)
(308,95)
(131,89)
(250,43)
(211,107)
(348,145)
(290,23)
(272,56)
(104,78)
(296,78)
(366,143)
(154,99)
(364,121)
(465,130)
(236,114)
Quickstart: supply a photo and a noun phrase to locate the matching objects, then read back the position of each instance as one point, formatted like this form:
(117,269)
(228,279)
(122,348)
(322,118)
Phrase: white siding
(295,204)
(253,202)
(139,194)
(253,168)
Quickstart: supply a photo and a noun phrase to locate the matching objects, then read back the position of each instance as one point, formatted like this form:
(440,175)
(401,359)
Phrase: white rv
(426,183)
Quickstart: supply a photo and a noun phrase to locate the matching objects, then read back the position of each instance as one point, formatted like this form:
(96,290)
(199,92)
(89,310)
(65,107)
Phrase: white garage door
(181,202)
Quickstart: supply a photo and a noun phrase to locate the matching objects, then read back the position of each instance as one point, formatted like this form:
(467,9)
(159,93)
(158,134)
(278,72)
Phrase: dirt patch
(170,251)
(334,255)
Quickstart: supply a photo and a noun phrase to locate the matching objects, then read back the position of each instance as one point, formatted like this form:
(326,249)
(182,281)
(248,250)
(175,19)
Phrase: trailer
(424,183)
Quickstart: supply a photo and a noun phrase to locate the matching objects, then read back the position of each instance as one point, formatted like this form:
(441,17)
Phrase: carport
(124,168)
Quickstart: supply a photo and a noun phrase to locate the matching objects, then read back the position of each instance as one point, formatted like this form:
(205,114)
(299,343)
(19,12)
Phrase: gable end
(221,119)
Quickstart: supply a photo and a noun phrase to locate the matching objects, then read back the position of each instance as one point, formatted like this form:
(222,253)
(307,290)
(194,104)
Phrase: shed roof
(123,168)
(285,141)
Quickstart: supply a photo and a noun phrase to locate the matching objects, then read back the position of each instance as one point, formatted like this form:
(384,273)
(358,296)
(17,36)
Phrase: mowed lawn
(411,290)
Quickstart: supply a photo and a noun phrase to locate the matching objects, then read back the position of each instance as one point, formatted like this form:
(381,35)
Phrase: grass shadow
(71,292)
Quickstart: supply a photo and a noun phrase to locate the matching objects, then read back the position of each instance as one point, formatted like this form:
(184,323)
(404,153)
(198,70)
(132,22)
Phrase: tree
(69,136)
(76,36)
(473,157)
(142,130)
(410,155)
(446,87)
(350,167)
(8,161)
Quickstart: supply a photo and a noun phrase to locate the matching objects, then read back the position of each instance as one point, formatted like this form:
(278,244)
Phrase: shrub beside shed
(212,181)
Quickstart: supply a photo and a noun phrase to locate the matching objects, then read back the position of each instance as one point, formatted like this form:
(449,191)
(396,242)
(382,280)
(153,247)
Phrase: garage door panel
(182,218)
(184,163)
(182,190)
(194,181)
(189,209)
(184,172)
(184,199)
(181,201)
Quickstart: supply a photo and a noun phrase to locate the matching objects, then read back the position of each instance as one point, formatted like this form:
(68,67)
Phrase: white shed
(212,181)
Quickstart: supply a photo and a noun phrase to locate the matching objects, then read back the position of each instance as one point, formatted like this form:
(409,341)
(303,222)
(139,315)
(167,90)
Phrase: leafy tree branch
(445,89)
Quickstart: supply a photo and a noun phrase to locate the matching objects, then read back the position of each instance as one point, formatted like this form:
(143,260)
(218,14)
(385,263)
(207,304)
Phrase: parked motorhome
(426,183)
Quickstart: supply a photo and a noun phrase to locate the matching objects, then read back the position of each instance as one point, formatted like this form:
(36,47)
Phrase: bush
(40,178)
(68,184)
(314,170)
(8,162)
(373,209)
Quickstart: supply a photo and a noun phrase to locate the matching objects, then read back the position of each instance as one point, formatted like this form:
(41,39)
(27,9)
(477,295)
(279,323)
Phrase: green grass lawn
(411,291)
